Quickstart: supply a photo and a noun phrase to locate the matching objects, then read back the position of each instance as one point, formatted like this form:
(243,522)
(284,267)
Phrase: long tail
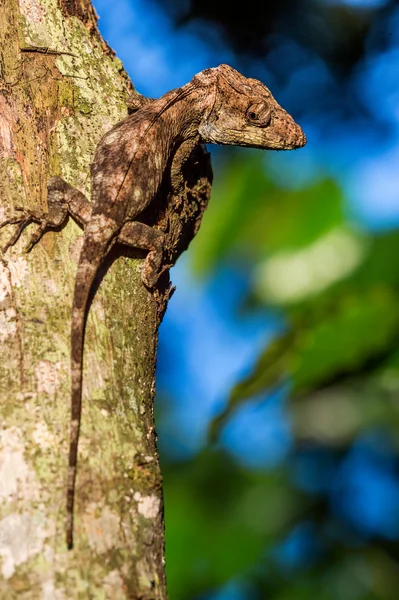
(91,257)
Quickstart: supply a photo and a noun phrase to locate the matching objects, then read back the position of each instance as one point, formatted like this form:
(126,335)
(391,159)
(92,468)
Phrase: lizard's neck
(180,113)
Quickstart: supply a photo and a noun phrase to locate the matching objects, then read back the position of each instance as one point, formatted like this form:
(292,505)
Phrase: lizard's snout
(290,134)
(300,139)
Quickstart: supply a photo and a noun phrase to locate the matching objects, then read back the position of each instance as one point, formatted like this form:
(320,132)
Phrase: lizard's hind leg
(139,235)
(62,200)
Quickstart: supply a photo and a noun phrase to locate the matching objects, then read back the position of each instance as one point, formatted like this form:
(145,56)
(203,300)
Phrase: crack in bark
(44,50)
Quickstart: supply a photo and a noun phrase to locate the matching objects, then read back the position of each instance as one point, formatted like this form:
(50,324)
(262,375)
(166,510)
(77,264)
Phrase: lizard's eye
(258,114)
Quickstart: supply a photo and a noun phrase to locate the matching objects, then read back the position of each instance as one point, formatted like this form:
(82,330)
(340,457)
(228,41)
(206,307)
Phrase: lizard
(149,166)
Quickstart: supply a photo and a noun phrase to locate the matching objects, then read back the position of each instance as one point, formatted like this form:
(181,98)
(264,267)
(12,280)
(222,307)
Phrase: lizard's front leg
(62,200)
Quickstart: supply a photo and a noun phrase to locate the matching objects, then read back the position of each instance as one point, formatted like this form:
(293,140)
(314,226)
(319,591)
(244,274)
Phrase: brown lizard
(154,158)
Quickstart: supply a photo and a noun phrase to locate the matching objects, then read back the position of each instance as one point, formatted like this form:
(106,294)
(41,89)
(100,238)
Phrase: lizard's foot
(152,268)
(62,199)
(24,219)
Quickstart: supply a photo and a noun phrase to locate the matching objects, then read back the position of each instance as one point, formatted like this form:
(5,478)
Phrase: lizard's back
(130,161)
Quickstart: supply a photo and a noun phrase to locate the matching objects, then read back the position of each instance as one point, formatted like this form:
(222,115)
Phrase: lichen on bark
(54,108)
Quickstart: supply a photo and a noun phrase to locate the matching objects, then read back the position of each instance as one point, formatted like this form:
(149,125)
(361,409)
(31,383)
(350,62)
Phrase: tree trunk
(61,90)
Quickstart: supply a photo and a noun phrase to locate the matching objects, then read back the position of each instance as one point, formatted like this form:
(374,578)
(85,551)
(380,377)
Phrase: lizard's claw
(11,221)
(26,217)
(13,240)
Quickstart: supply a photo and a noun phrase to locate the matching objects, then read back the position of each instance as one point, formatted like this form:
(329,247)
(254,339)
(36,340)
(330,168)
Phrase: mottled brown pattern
(151,183)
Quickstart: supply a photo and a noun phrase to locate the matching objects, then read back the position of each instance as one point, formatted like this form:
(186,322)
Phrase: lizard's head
(244,113)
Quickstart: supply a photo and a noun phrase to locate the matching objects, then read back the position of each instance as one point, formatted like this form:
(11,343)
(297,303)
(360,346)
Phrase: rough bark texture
(54,107)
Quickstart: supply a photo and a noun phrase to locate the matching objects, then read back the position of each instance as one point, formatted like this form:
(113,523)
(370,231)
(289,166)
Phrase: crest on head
(241,84)
(225,75)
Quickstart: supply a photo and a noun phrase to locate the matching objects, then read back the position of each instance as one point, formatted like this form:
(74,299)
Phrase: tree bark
(61,90)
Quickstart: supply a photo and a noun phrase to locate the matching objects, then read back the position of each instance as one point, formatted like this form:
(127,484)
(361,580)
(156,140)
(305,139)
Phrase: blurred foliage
(324,522)
(342,315)
(252,216)
(218,519)
(224,520)
(339,354)
(334,30)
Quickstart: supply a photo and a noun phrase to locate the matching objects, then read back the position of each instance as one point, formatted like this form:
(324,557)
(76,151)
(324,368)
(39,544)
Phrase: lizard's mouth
(281,133)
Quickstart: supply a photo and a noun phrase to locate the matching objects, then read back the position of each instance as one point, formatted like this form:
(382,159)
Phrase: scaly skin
(152,162)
